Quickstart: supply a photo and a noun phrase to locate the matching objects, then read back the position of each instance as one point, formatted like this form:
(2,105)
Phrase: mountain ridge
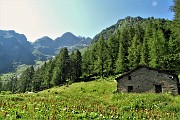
(16,49)
(48,47)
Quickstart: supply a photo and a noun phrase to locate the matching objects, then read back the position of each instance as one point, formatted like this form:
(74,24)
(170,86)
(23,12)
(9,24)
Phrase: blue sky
(38,18)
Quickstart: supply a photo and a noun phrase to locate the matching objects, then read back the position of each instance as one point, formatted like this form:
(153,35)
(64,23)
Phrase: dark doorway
(130,88)
(158,88)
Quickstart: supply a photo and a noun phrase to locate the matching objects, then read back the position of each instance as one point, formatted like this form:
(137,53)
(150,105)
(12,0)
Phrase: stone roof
(169,72)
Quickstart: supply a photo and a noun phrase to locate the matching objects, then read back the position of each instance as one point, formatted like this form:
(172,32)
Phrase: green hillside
(133,42)
(88,100)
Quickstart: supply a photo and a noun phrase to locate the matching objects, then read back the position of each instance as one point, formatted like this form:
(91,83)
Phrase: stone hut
(146,79)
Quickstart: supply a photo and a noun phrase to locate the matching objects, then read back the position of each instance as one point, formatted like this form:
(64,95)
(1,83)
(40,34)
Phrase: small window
(158,88)
(129,77)
(171,77)
(130,88)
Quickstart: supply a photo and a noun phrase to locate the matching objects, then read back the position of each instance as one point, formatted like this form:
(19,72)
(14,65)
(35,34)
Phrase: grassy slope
(92,100)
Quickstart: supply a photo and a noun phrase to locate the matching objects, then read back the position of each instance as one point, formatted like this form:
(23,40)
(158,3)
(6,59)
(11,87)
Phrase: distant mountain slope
(67,39)
(14,50)
(110,30)
(45,47)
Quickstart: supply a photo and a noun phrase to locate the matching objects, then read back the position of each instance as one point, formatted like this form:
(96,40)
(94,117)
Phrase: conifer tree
(26,79)
(172,45)
(65,64)
(162,49)
(48,74)
(153,51)
(73,66)
(37,83)
(157,48)
(134,52)
(1,84)
(13,84)
(62,71)
(89,59)
(86,63)
(31,75)
(78,64)
(121,62)
(102,56)
(44,75)
(46,78)
(145,47)
(57,77)
(113,46)
(93,56)
(176,10)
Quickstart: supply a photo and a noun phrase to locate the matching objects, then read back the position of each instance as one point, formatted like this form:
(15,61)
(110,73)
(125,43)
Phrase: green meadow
(88,100)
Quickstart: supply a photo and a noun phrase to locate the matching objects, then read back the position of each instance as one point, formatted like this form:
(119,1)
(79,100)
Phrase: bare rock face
(14,50)
(45,47)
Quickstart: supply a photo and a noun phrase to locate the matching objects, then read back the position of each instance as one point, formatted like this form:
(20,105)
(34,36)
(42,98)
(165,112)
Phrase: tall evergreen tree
(153,51)
(145,47)
(113,46)
(57,77)
(73,66)
(172,45)
(31,75)
(102,56)
(93,56)
(62,71)
(157,48)
(86,61)
(48,74)
(1,83)
(26,80)
(65,64)
(78,64)
(176,10)
(13,84)
(121,62)
(134,52)
(37,82)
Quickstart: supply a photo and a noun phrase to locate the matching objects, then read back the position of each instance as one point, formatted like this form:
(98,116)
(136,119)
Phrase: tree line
(63,69)
(149,42)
